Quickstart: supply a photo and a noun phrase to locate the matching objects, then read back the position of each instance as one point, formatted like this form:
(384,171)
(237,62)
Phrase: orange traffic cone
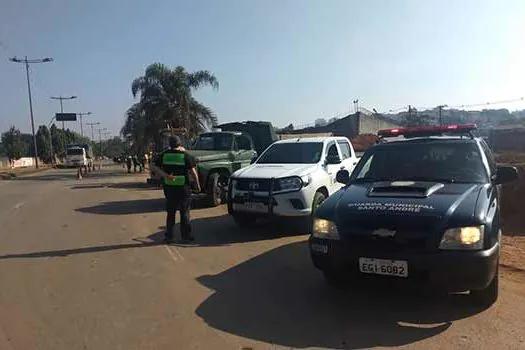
(79,174)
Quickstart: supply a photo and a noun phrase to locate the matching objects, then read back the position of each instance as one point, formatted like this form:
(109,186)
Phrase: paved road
(80,269)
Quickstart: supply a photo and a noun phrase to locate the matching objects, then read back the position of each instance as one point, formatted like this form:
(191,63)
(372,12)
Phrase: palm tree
(166,97)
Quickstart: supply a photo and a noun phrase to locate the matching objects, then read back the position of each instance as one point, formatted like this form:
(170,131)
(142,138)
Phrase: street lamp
(61,98)
(92,131)
(27,62)
(81,125)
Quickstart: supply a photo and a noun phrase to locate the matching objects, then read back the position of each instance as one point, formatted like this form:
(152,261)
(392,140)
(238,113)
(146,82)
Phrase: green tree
(13,143)
(166,99)
(2,150)
(62,138)
(59,140)
(43,142)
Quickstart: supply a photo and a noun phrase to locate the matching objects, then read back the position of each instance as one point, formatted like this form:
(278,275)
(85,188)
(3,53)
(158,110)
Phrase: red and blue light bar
(428,130)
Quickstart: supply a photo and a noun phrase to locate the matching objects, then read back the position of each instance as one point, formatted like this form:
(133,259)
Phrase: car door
(333,164)
(348,158)
(244,152)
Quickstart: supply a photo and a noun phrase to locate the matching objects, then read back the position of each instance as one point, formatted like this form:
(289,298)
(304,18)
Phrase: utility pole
(81,124)
(92,131)
(100,139)
(440,108)
(61,98)
(26,62)
(106,134)
(51,141)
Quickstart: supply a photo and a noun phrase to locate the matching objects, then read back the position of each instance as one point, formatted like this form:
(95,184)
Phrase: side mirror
(253,160)
(333,160)
(343,176)
(506,174)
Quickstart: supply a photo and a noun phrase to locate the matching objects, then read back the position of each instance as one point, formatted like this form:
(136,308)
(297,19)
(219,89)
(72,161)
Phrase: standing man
(175,165)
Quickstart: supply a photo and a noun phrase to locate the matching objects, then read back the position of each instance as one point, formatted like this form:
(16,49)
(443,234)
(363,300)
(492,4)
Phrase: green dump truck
(220,152)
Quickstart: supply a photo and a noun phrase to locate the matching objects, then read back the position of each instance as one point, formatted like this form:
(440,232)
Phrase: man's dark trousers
(178,198)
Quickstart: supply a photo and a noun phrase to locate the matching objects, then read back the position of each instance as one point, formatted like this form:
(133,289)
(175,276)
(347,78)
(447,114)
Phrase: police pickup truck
(423,206)
(290,179)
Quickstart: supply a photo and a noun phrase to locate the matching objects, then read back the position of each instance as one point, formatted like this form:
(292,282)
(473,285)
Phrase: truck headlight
(324,229)
(306,179)
(459,238)
(293,183)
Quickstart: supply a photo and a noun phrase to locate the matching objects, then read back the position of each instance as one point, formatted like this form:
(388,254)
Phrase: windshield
(292,153)
(432,161)
(213,142)
(75,151)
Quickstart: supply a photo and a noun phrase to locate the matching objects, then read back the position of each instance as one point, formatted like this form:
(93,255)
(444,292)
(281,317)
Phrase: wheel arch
(323,190)
(221,171)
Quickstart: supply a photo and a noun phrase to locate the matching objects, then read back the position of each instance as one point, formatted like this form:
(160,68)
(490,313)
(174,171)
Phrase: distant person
(177,167)
(135,163)
(129,163)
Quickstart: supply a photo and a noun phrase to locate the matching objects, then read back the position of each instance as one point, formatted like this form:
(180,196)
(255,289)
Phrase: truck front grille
(255,185)
(417,233)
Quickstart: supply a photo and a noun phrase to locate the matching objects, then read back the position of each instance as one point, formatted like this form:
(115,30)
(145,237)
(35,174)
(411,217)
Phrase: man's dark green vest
(175,164)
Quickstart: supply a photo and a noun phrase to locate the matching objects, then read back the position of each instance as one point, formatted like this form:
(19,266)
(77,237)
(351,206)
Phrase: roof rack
(434,130)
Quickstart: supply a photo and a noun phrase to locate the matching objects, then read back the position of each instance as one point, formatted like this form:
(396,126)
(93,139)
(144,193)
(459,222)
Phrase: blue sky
(277,60)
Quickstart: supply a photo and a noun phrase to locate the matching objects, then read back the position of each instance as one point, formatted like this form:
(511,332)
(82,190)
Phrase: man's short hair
(174,141)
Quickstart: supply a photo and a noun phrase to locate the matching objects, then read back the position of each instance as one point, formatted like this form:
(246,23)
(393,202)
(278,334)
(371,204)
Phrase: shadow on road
(69,174)
(136,206)
(75,251)
(136,185)
(221,230)
(212,231)
(279,298)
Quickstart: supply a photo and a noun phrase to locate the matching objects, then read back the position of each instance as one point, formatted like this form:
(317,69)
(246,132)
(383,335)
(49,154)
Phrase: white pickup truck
(291,178)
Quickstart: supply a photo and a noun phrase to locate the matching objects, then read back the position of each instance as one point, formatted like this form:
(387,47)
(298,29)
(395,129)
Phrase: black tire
(214,190)
(244,221)
(488,296)
(307,222)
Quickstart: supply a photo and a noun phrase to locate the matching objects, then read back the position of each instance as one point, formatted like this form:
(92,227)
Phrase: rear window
(440,161)
(75,151)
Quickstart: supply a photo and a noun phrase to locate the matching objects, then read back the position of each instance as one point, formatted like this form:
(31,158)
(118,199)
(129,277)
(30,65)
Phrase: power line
(520,99)
(424,108)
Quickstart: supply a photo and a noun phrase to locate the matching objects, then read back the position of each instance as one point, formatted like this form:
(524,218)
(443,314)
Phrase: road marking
(171,253)
(174,253)
(178,253)
(18,205)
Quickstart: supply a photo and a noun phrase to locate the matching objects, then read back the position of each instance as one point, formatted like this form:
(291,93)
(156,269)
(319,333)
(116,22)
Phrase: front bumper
(452,271)
(266,204)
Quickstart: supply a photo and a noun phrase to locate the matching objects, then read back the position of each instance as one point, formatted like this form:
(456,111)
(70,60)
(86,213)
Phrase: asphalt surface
(81,268)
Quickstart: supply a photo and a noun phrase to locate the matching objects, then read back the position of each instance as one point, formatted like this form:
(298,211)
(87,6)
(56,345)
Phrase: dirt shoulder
(513,251)
(9,174)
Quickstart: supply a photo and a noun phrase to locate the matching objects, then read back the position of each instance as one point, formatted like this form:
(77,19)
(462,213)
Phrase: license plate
(397,268)
(255,206)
